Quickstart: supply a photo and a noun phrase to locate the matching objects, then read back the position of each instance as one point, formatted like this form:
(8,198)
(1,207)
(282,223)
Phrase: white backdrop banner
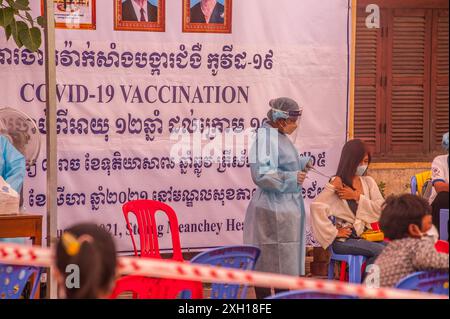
(122,92)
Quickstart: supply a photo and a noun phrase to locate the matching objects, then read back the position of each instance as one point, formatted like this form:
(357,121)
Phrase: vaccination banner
(140,82)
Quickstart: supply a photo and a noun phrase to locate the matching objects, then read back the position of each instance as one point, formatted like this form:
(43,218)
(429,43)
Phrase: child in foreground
(405,219)
(85,263)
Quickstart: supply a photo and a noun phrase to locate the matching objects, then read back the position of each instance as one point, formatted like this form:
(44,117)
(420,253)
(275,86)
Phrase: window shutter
(439,90)
(367,83)
(408,87)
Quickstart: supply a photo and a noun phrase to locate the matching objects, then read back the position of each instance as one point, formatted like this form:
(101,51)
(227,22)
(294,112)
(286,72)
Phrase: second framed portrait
(140,15)
(207,16)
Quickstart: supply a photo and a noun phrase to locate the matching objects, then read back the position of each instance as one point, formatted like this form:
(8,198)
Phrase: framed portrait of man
(208,16)
(139,15)
(73,14)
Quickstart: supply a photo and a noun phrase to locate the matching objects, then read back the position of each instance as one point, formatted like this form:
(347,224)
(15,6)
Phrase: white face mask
(361,170)
(432,234)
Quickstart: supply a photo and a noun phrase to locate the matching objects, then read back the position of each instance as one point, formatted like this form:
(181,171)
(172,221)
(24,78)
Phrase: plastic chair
(237,257)
(157,288)
(413,185)
(307,294)
(145,211)
(441,246)
(418,181)
(13,280)
(443,224)
(435,281)
(355,264)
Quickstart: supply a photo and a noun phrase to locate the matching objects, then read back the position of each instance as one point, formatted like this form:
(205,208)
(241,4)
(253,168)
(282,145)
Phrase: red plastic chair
(145,211)
(343,274)
(441,246)
(156,288)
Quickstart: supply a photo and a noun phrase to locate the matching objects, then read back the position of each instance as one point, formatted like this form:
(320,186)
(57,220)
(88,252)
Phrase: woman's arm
(323,229)
(440,187)
(438,175)
(271,179)
(267,175)
(369,205)
(304,160)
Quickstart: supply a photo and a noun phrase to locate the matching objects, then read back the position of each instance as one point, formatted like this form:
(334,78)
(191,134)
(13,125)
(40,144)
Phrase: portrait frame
(225,27)
(122,25)
(91,25)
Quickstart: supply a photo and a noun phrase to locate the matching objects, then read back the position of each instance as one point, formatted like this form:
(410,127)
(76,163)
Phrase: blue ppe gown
(275,217)
(12,169)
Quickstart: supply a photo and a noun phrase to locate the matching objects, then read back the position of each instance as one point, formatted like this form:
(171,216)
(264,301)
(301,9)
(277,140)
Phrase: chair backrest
(156,288)
(307,294)
(14,278)
(237,257)
(435,281)
(418,181)
(145,211)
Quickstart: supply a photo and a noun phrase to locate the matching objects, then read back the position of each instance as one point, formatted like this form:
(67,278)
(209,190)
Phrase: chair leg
(331,269)
(355,271)
(342,275)
(35,290)
(363,267)
(243,294)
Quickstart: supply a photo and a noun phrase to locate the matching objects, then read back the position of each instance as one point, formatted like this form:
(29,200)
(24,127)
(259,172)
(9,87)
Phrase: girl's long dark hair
(96,261)
(352,154)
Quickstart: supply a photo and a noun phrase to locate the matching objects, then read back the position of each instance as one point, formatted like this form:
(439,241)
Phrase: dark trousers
(362,247)
(440,202)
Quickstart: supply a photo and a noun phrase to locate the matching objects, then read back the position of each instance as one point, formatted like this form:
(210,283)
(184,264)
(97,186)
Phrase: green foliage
(16,20)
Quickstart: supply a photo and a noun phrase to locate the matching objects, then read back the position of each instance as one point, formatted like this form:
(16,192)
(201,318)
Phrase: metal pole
(50,80)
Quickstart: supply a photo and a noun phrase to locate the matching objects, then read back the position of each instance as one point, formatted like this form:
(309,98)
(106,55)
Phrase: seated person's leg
(362,247)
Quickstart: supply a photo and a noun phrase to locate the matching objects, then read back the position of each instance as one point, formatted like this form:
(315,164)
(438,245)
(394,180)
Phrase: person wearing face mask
(405,220)
(353,200)
(275,217)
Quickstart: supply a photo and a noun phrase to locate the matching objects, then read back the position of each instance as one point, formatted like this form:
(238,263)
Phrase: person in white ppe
(275,217)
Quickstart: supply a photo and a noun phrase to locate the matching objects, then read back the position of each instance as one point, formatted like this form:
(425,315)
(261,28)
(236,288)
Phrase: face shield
(289,121)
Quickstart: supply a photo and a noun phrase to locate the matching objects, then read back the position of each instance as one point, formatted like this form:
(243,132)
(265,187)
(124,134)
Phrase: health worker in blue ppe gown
(12,169)
(275,217)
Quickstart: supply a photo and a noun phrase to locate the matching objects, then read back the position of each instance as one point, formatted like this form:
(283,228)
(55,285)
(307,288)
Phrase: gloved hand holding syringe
(310,167)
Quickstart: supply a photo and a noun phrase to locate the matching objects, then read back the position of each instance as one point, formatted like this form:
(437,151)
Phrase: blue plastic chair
(435,281)
(309,294)
(237,257)
(413,185)
(443,224)
(354,263)
(14,278)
